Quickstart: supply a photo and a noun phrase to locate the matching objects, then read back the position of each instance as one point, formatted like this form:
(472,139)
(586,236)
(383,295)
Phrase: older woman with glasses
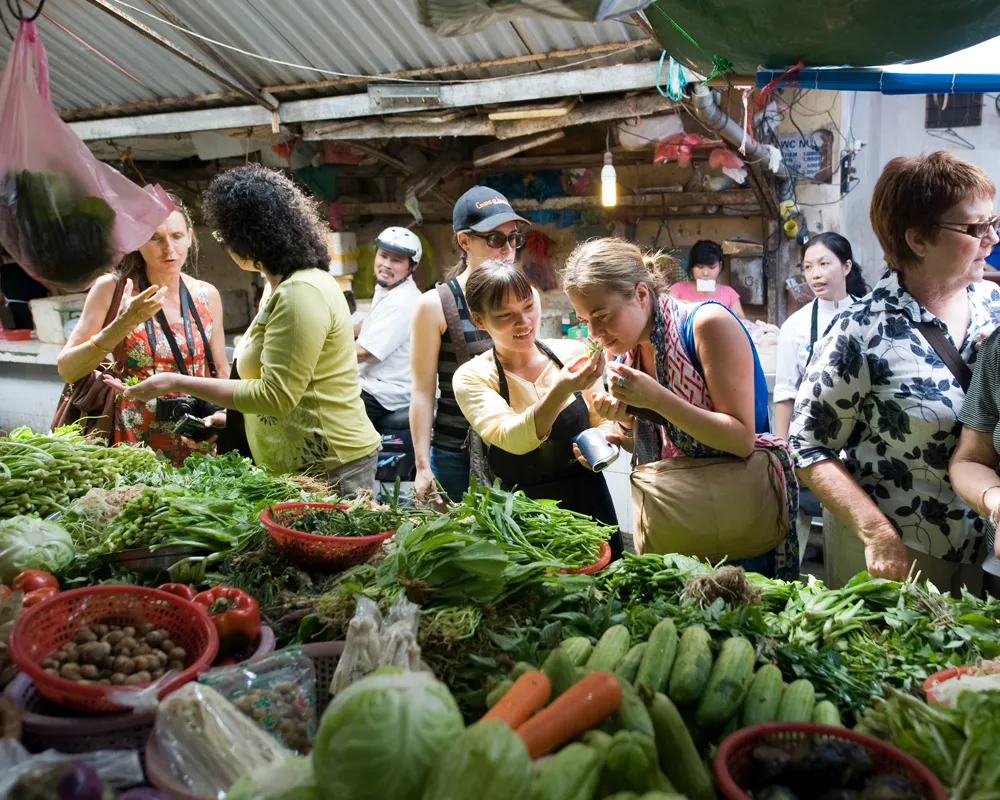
(444,336)
(886,383)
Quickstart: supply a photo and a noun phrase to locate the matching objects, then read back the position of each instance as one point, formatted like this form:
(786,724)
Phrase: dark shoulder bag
(948,354)
(90,401)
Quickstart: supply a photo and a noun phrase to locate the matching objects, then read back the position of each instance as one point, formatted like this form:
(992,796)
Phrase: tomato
(37,596)
(32,579)
(4,592)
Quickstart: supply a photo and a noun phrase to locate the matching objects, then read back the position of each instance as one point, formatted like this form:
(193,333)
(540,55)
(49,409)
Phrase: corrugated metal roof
(363,38)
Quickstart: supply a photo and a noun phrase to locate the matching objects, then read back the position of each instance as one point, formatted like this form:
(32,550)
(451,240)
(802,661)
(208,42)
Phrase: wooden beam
(662,204)
(402,167)
(596,80)
(558,109)
(373,128)
(254,94)
(439,169)
(497,151)
(424,72)
(599,111)
(763,187)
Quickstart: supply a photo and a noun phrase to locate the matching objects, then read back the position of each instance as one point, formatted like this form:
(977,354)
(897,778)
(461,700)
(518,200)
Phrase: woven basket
(49,726)
(324,656)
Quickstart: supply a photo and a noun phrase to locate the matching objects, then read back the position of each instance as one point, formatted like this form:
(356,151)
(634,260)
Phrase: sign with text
(809,155)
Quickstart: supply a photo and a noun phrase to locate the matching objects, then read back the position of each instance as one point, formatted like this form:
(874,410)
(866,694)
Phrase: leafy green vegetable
(32,543)
(292,779)
(355,520)
(380,737)
(487,761)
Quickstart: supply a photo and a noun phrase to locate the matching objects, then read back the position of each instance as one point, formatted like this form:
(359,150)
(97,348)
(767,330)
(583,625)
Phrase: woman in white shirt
(829,268)
(835,278)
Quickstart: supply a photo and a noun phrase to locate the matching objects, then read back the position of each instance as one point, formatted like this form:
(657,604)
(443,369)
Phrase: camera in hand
(173,409)
(194,428)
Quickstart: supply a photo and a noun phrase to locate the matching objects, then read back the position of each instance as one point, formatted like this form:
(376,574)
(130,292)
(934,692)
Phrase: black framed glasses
(977,230)
(496,240)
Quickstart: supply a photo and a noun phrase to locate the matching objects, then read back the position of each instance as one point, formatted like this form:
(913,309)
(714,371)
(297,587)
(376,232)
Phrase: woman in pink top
(704,266)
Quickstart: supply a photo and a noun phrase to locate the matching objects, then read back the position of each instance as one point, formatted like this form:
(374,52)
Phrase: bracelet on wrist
(982,509)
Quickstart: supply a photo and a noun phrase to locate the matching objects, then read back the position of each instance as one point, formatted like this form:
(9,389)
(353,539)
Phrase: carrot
(575,711)
(529,693)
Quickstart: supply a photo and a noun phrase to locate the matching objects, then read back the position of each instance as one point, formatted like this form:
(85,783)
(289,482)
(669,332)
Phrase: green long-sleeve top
(299,379)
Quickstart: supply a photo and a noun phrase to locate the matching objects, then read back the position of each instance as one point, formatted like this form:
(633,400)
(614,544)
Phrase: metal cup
(597,451)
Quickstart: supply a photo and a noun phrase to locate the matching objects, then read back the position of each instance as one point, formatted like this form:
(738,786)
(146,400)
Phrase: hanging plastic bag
(65,217)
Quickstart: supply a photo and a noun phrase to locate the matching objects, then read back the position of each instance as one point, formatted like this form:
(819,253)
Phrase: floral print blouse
(876,390)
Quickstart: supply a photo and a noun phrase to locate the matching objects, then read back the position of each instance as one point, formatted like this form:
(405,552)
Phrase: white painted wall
(893,126)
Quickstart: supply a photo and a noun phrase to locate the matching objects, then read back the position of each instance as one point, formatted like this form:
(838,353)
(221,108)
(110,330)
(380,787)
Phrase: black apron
(551,472)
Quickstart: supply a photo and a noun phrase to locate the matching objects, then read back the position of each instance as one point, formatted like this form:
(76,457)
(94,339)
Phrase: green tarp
(860,33)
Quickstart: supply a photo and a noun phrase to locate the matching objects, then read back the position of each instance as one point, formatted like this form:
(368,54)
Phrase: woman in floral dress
(880,390)
(154,293)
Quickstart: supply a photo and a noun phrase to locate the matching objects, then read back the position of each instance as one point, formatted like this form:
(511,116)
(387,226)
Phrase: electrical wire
(372,78)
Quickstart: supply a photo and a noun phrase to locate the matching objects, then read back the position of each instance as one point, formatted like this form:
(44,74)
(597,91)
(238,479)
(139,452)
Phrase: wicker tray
(47,725)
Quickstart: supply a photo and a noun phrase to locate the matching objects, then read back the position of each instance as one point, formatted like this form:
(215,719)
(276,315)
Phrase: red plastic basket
(46,627)
(602,561)
(941,677)
(732,759)
(313,551)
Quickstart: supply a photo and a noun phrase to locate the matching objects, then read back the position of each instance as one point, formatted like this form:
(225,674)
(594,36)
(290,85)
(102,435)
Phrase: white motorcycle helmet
(401,241)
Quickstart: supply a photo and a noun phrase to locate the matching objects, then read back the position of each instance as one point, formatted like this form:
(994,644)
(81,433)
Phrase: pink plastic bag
(64,216)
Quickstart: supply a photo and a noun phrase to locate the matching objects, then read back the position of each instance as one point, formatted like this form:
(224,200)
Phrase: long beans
(41,474)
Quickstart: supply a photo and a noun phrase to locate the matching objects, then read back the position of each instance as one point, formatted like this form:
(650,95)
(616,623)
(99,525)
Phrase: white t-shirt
(793,344)
(386,335)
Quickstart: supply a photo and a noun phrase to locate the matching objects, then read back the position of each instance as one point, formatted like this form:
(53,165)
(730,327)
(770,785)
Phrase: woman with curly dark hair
(298,365)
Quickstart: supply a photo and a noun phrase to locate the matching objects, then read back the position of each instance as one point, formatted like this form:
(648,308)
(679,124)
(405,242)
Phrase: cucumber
(692,666)
(599,741)
(728,683)
(610,649)
(632,714)
(679,758)
(631,763)
(826,713)
(629,668)
(797,703)
(519,669)
(761,704)
(498,692)
(731,727)
(658,660)
(560,671)
(578,648)
(573,772)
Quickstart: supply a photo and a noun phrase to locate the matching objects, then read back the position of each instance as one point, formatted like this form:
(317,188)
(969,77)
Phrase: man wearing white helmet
(383,339)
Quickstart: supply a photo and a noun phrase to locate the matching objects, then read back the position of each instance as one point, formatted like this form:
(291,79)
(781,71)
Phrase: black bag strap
(187,313)
(952,359)
(502,376)
(454,319)
(814,330)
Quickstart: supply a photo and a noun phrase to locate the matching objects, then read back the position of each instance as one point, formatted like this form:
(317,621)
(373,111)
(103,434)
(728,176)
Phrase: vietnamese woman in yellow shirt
(527,398)
(298,386)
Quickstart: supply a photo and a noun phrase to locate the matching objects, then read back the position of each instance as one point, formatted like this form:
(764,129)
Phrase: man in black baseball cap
(483,209)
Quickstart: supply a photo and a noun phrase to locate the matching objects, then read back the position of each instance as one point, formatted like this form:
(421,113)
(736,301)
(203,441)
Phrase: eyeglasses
(977,230)
(496,240)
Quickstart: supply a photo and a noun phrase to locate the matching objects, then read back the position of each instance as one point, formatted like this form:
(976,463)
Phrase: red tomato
(37,596)
(32,579)
(4,592)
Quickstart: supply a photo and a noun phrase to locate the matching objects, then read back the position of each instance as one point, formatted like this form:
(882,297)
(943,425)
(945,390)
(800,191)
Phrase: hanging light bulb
(609,186)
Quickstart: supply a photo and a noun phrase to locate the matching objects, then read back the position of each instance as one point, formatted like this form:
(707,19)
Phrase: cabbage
(379,737)
(32,543)
(292,779)
(488,761)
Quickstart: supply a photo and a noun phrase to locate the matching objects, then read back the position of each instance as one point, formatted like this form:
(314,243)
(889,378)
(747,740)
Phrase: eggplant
(776,792)
(68,780)
(890,786)
(768,765)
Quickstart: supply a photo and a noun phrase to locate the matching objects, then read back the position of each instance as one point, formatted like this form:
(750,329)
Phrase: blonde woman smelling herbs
(527,398)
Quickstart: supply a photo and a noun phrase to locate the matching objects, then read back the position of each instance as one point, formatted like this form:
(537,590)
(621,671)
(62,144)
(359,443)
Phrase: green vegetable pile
(959,745)
(65,236)
(41,474)
(32,543)
(354,520)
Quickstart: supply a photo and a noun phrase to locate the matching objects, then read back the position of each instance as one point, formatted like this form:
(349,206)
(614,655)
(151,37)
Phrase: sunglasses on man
(977,230)
(495,240)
